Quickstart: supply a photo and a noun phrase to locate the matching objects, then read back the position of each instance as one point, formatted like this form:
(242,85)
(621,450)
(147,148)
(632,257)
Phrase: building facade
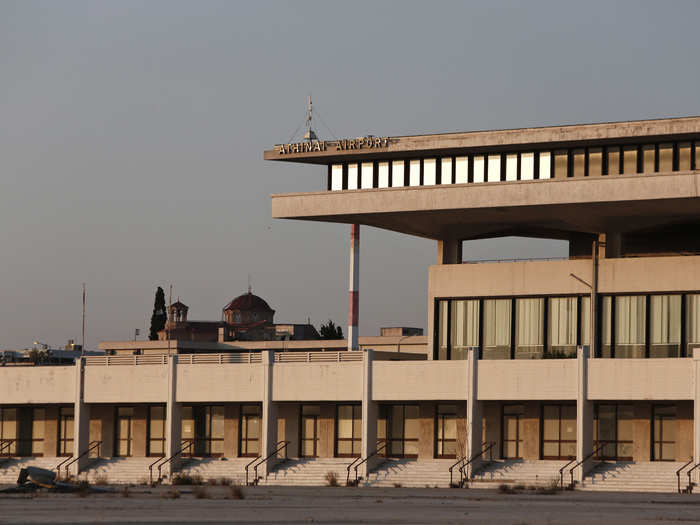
(558,364)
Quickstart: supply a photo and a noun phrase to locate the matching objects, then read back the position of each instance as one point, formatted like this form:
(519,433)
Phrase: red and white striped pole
(354,306)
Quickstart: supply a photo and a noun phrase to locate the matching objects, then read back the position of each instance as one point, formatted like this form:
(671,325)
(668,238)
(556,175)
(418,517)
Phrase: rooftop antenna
(250,285)
(82,349)
(310,133)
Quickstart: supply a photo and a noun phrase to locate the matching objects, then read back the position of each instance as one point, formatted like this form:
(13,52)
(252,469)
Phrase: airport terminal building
(585,368)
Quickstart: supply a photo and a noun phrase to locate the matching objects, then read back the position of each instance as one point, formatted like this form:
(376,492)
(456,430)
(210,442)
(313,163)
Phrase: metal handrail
(6,443)
(678,474)
(347,478)
(162,461)
(460,460)
(690,484)
(379,449)
(281,445)
(561,473)
(69,461)
(462,471)
(248,465)
(595,451)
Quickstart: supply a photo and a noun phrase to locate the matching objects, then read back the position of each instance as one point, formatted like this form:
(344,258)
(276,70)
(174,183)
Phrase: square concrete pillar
(474,420)
(370,413)
(449,251)
(584,415)
(269,415)
(173,417)
(81,420)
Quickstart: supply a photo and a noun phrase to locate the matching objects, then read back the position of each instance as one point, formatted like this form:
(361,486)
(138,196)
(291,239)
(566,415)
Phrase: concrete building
(584,368)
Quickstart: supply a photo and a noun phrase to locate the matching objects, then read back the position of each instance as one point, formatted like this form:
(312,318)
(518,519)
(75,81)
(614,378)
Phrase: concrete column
(354,300)
(449,251)
(269,415)
(584,415)
(612,248)
(370,414)
(474,420)
(173,416)
(81,419)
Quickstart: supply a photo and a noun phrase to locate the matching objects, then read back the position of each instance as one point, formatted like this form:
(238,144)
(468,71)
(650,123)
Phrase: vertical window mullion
(647,342)
(512,328)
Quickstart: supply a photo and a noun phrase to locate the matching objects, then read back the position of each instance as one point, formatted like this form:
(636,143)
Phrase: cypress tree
(159,315)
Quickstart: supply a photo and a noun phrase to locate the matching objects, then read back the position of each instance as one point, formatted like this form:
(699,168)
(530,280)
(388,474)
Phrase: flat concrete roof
(552,208)
(505,139)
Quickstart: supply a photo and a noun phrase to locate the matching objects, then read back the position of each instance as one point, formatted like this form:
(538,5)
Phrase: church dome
(248,301)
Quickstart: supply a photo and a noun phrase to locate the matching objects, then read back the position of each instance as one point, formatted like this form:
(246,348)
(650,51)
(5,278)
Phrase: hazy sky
(132,136)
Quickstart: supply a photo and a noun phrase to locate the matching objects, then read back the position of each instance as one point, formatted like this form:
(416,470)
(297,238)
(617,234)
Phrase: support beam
(81,419)
(449,251)
(696,411)
(173,417)
(474,429)
(354,302)
(370,414)
(269,415)
(584,416)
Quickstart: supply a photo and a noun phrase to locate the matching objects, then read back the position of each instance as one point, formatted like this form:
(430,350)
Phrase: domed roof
(248,301)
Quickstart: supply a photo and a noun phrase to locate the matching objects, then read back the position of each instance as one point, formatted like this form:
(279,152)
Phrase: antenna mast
(310,133)
(82,349)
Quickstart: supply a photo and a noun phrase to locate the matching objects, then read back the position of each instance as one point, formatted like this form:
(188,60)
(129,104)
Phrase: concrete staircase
(411,473)
(114,471)
(9,468)
(645,476)
(517,472)
(307,472)
(232,469)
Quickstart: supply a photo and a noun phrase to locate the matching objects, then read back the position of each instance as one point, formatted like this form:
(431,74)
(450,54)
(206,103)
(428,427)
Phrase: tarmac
(346,505)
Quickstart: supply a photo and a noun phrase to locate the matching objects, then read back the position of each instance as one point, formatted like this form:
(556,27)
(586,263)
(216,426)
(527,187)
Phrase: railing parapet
(678,476)
(281,445)
(343,356)
(162,461)
(66,463)
(357,465)
(589,456)
(484,450)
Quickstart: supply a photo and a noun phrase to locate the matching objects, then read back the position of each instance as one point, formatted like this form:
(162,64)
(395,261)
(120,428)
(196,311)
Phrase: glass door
(309,430)
(214,431)
(664,431)
(38,429)
(250,431)
(65,431)
(125,431)
(156,431)
(512,430)
(446,431)
(403,431)
(8,430)
(614,426)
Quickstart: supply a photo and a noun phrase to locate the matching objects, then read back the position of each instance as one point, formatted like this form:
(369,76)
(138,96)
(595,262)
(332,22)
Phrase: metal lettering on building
(339,145)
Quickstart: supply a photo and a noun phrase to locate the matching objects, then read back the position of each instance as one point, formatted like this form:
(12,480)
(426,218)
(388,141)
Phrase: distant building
(245,318)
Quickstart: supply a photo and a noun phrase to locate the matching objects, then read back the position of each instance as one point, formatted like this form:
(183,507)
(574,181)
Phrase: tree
(159,315)
(330,331)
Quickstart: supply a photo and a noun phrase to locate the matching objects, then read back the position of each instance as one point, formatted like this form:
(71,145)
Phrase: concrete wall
(544,379)
(414,380)
(203,383)
(126,384)
(37,384)
(632,379)
(317,381)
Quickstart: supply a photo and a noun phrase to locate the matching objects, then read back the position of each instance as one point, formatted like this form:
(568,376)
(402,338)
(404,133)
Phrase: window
(367,175)
(527,166)
(414,173)
(665,158)
(529,328)
(464,328)
(545,159)
(558,431)
(65,431)
(214,431)
(397,175)
(336,177)
(349,431)
(595,162)
(497,329)
(353,182)
(156,430)
(461,170)
(479,168)
(429,172)
(630,326)
(403,430)
(629,162)
(250,431)
(613,160)
(446,170)
(8,430)
(692,322)
(649,158)
(665,326)
(446,431)
(494,168)
(38,431)
(512,167)
(579,162)
(684,151)
(561,164)
(383,176)
(443,330)
(563,319)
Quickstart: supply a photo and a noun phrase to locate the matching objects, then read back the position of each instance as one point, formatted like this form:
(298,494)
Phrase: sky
(133,133)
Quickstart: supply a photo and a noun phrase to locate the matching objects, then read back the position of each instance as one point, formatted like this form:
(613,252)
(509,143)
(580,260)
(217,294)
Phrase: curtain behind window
(529,328)
(496,329)
(562,325)
(465,327)
(665,329)
(630,326)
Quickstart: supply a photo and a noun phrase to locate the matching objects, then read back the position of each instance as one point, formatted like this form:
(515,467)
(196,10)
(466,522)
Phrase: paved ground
(350,505)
